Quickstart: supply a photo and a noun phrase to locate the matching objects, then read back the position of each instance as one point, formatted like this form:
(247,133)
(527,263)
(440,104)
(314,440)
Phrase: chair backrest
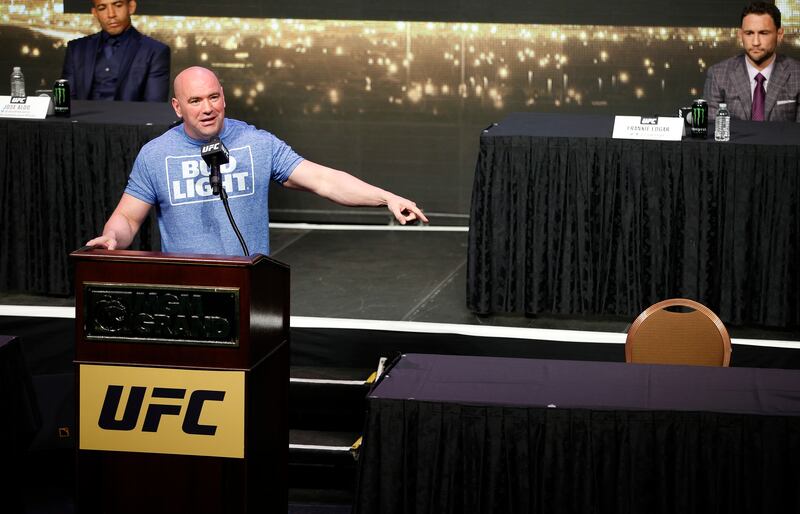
(661,336)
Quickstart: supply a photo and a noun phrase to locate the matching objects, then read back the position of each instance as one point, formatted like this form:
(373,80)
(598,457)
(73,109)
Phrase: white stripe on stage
(541,334)
(368,228)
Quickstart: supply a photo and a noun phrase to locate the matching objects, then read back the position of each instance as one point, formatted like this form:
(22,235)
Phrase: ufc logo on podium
(154,411)
(162,410)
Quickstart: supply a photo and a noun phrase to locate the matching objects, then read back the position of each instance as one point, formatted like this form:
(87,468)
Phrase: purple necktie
(757,113)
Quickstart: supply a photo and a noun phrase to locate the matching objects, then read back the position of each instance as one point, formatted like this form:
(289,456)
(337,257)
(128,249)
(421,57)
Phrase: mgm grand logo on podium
(161,314)
(162,410)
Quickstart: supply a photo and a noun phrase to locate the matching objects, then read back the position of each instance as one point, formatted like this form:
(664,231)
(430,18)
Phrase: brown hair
(763,8)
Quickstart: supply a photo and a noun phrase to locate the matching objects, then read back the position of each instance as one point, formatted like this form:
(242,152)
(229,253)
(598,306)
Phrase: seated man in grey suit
(759,85)
(117,63)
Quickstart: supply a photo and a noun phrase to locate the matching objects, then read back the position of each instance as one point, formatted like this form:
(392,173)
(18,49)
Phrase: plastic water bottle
(17,82)
(722,127)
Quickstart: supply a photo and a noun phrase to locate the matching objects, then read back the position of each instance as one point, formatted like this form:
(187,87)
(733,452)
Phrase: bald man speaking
(170,174)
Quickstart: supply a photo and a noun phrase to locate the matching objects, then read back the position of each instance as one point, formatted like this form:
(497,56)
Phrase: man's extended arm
(124,223)
(156,88)
(345,189)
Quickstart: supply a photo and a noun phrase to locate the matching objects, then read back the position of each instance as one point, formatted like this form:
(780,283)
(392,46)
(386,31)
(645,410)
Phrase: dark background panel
(688,13)
(415,160)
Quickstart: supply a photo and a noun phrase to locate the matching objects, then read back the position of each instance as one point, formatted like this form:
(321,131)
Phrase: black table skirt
(62,178)
(455,434)
(591,225)
(428,457)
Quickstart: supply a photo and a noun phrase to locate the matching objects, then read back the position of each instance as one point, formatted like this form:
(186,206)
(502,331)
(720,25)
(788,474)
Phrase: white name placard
(658,128)
(31,107)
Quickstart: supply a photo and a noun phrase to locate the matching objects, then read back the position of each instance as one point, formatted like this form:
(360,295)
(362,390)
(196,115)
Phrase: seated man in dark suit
(117,63)
(758,85)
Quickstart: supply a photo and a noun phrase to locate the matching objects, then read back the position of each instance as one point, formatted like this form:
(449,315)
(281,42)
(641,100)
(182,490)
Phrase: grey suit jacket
(729,82)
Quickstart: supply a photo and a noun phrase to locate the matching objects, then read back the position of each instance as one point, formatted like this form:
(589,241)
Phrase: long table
(566,220)
(448,433)
(62,178)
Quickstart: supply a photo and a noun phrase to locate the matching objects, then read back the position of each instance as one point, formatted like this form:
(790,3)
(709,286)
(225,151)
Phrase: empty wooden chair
(662,336)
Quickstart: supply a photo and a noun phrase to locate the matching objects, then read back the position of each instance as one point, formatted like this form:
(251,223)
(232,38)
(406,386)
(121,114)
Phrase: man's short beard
(762,60)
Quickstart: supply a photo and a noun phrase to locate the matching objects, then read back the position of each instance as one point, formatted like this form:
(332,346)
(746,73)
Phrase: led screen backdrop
(402,103)
(687,13)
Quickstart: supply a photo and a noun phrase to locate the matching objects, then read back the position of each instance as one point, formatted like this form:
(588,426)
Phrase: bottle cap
(723,105)
(16,68)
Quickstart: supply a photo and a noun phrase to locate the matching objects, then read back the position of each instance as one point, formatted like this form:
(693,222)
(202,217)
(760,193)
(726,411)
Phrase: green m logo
(698,115)
(60,95)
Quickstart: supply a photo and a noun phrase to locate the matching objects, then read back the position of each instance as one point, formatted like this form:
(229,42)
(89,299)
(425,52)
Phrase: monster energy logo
(60,94)
(698,116)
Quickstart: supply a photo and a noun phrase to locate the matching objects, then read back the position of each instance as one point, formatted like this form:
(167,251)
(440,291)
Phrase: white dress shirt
(752,71)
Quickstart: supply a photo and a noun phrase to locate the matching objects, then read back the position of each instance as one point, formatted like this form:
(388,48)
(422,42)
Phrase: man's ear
(177,107)
(780,34)
(131,6)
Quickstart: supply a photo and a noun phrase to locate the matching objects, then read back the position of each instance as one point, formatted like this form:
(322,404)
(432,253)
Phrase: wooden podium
(182,370)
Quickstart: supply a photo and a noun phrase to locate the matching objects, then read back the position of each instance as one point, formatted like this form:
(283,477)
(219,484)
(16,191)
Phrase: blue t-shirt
(170,174)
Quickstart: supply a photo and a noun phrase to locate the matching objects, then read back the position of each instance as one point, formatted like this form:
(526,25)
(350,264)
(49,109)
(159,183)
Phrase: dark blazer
(729,82)
(143,77)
